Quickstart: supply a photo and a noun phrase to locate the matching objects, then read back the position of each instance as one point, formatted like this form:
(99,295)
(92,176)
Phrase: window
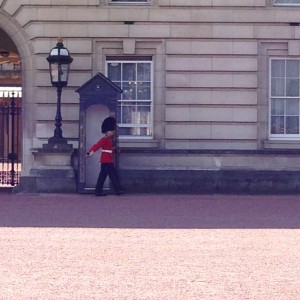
(286,2)
(284,98)
(134,114)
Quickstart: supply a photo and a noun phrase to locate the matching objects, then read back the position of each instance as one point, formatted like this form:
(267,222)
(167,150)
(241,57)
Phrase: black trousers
(107,169)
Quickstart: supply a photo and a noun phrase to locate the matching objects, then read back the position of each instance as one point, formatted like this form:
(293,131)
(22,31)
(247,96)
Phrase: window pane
(129,72)
(277,125)
(144,91)
(135,114)
(287,2)
(292,125)
(277,107)
(292,87)
(292,68)
(144,72)
(145,114)
(124,131)
(125,109)
(114,71)
(278,87)
(292,107)
(129,114)
(278,68)
(129,90)
(135,131)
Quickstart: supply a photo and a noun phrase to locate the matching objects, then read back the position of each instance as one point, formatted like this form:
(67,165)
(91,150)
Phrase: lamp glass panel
(54,72)
(64,71)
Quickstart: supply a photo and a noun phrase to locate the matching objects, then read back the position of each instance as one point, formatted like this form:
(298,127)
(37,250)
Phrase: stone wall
(210,68)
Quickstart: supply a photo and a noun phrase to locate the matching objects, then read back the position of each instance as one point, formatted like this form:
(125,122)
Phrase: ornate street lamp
(59,64)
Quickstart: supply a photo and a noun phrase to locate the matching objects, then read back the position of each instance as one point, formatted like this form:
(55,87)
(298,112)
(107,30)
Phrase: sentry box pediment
(99,90)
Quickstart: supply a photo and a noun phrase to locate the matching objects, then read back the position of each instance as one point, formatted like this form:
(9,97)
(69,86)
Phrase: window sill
(138,143)
(286,4)
(129,3)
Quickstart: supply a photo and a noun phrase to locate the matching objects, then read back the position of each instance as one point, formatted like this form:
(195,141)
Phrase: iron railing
(10,140)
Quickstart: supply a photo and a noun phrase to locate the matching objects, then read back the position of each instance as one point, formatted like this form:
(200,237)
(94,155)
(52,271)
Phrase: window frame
(272,136)
(285,4)
(122,59)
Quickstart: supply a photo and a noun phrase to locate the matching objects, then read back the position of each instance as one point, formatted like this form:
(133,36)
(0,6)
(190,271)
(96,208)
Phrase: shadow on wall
(150,211)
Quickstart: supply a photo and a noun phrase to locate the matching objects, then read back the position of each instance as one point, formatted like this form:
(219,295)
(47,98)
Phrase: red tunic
(105,144)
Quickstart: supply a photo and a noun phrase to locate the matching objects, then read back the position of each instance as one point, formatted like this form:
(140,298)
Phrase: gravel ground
(149,247)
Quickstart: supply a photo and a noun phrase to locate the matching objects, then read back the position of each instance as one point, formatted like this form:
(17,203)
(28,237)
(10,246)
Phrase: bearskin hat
(109,124)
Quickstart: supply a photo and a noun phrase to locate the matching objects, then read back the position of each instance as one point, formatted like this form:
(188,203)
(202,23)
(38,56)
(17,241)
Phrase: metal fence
(10,139)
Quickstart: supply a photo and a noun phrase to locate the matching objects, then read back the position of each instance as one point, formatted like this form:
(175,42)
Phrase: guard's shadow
(150,211)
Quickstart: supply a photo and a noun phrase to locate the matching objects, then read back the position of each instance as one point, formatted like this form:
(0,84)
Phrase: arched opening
(10,112)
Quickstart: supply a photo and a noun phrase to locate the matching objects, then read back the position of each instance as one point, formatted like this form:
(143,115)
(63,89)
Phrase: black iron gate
(10,140)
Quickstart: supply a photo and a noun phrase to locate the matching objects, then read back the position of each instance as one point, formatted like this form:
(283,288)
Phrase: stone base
(211,182)
(48,181)
(52,172)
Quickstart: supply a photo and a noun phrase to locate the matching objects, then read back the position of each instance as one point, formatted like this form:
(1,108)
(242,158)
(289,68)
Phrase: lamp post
(59,64)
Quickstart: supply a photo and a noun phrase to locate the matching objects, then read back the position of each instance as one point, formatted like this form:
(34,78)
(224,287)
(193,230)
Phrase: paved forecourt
(149,247)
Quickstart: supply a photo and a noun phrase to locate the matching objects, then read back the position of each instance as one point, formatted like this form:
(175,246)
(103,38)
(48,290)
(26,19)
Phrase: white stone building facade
(221,105)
